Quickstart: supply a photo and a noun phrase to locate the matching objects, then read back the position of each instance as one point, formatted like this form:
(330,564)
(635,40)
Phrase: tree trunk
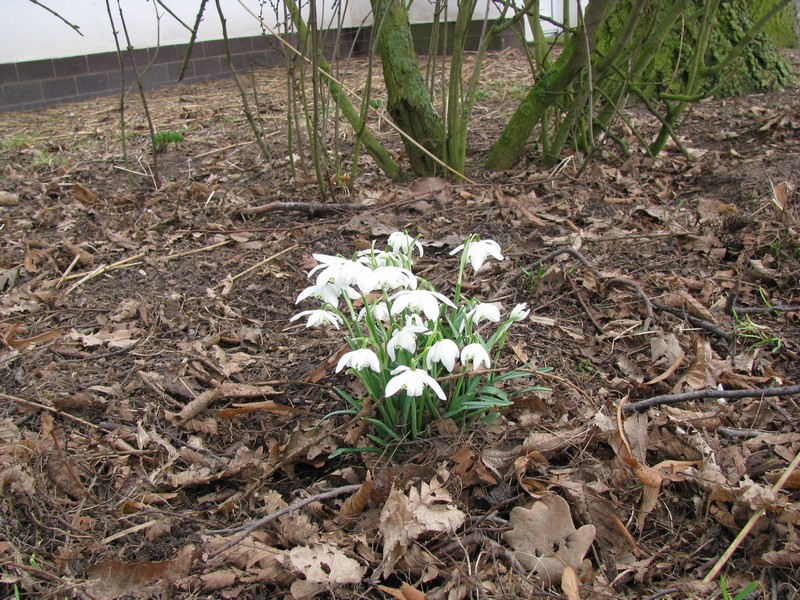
(669,52)
(408,102)
(550,90)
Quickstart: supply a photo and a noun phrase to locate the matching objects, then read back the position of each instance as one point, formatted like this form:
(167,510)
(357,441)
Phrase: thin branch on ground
(251,527)
(712,574)
(565,250)
(648,305)
(694,321)
(664,399)
(311,208)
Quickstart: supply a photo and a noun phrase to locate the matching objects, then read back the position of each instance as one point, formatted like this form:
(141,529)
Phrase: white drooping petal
(379,312)
(445,352)
(328,293)
(379,258)
(423,301)
(402,242)
(319,317)
(477,354)
(325,260)
(478,250)
(519,312)
(389,278)
(359,360)
(413,381)
(484,310)
(343,274)
(405,338)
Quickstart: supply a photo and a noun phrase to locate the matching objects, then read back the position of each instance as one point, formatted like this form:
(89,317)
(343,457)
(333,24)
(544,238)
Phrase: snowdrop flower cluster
(420,354)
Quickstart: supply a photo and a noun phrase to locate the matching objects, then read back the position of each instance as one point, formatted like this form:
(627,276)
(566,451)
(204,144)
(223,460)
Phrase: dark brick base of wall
(39,83)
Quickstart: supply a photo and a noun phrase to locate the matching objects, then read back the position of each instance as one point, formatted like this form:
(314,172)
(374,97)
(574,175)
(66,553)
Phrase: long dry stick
(51,409)
(711,393)
(751,523)
(258,265)
(251,527)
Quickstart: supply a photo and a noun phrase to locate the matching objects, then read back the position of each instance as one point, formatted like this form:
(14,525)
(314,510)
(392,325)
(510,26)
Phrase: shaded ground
(122,306)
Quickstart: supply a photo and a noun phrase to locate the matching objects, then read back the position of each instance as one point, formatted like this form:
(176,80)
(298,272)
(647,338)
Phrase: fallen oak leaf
(545,541)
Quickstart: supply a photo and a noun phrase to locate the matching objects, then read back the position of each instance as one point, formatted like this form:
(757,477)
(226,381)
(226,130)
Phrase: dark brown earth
(122,304)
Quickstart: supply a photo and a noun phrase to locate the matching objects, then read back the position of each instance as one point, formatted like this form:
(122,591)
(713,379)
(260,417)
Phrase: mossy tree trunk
(669,53)
(554,88)
(408,101)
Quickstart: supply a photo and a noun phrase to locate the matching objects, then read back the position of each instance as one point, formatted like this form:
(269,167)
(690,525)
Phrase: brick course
(39,83)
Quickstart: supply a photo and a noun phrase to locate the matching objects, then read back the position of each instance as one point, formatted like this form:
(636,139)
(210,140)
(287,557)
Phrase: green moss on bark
(760,68)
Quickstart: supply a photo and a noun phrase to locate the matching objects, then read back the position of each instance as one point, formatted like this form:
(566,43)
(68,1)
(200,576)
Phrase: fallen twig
(648,305)
(694,321)
(196,250)
(82,278)
(256,266)
(51,409)
(251,527)
(565,250)
(311,208)
(712,574)
(642,405)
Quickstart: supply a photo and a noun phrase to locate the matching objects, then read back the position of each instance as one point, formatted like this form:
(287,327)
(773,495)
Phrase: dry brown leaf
(12,340)
(326,564)
(685,301)
(570,584)
(114,578)
(700,375)
(544,538)
(404,592)
(64,476)
(84,195)
(471,469)
(118,339)
(665,349)
(356,503)
(781,559)
(791,483)
(404,518)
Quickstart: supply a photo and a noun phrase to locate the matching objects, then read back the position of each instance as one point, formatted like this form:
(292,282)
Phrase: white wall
(32,33)
(35,33)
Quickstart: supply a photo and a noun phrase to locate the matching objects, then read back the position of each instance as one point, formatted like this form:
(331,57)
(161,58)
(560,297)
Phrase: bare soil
(155,398)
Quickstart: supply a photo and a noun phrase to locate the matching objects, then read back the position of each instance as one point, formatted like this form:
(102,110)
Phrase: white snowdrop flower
(478,250)
(415,320)
(339,271)
(327,292)
(325,260)
(413,381)
(445,352)
(405,338)
(424,301)
(389,278)
(378,258)
(359,360)
(519,312)
(401,242)
(379,312)
(477,354)
(484,310)
(319,317)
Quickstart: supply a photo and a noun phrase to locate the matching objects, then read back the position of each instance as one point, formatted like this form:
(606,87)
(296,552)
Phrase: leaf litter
(160,425)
